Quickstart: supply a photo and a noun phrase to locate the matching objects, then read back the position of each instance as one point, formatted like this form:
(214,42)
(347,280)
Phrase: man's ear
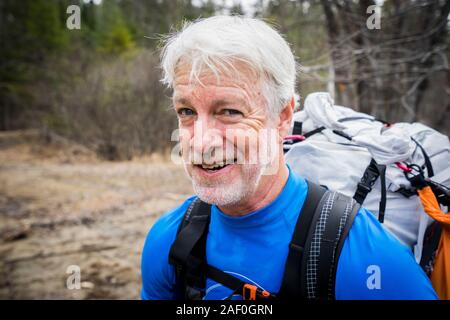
(285,117)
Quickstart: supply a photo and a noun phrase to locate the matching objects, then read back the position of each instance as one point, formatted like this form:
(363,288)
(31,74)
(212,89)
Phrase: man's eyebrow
(215,103)
(220,102)
(183,101)
(224,102)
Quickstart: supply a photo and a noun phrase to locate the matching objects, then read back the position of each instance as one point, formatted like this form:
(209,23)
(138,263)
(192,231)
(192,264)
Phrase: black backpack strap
(324,245)
(370,176)
(338,223)
(247,290)
(367,181)
(291,286)
(297,129)
(431,241)
(319,235)
(188,252)
(428,164)
(313,132)
(188,255)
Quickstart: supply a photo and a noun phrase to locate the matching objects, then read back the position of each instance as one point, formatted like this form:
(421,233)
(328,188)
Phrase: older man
(234,77)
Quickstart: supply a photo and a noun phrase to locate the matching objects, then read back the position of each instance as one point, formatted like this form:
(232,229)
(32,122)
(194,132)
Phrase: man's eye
(231,112)
(185,112)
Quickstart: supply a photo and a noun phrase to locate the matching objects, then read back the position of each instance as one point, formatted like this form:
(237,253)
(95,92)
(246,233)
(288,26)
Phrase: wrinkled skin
(213,117)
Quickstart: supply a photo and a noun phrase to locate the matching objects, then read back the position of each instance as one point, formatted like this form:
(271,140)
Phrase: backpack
(369,159)
(314,249)
(375,163)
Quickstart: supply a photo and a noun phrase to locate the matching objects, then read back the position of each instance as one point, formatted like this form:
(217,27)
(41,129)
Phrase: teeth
(217,165)
(213,166)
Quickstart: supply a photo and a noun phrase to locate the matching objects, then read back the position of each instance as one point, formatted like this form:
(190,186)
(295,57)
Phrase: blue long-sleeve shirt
(373,264)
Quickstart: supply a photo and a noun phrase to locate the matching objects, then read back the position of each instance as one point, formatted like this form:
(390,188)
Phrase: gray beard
(225,194)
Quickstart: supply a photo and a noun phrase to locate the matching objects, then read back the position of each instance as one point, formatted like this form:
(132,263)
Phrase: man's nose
(206,137)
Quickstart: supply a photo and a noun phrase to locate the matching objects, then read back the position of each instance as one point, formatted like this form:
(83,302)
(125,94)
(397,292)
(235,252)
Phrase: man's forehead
(219,81)
(223,88)
(216,95)
(232,86)
(236,74)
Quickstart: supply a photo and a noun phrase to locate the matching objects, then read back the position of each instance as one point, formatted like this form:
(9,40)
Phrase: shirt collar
(292,188)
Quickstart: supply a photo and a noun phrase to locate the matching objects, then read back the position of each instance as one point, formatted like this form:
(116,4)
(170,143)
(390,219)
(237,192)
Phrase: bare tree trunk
(399,72)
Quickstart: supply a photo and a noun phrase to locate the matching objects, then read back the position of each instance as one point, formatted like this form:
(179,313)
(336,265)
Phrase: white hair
(218,42)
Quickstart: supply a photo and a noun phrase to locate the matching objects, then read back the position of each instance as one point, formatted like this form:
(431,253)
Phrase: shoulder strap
(337,215)
(188,252)
(188,255)
(319,235)
(291,283)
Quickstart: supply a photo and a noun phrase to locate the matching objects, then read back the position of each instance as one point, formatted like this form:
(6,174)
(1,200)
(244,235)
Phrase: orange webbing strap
(431,206)
(440,276)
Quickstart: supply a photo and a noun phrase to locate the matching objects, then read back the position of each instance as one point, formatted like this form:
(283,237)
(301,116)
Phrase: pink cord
(403,167)
(295,137)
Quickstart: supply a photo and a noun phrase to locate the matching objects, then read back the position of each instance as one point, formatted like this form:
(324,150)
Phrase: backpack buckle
(249,291)
(364,188)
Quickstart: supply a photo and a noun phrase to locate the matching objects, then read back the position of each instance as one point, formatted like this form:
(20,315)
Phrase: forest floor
(60,206)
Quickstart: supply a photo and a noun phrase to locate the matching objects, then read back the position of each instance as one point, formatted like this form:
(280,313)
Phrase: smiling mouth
(216,166)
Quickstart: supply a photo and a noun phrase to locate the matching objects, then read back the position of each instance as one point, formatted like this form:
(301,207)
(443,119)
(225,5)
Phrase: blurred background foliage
(99,85)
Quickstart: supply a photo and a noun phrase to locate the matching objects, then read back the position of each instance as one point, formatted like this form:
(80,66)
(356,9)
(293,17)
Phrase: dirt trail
(59,206)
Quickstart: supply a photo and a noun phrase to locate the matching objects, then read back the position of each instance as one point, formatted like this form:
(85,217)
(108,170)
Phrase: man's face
(221,125)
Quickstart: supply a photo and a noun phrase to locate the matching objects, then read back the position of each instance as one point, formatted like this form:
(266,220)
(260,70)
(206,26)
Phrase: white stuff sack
(334,161)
